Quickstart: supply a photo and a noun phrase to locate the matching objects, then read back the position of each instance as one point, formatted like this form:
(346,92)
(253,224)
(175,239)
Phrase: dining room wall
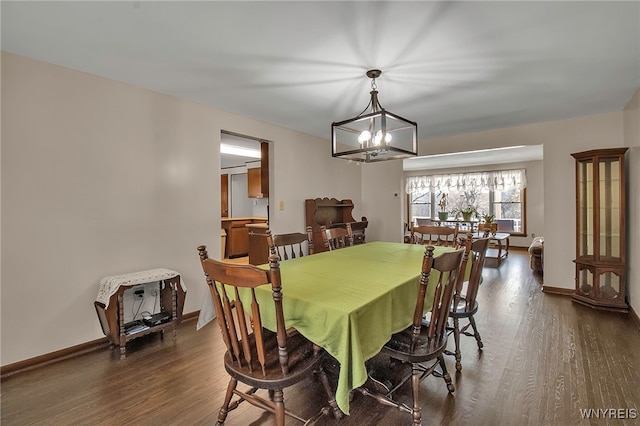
(382,198)
(102,178)
(631,122)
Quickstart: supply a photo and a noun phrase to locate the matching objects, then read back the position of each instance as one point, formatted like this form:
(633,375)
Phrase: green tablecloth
(350,301)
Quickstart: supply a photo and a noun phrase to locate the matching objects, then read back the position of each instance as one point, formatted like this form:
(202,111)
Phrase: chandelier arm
(370,104)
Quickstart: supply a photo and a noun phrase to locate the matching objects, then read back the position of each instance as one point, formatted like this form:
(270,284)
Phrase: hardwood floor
(544,359)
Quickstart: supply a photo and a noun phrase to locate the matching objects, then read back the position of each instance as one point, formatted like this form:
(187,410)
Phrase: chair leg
(416,371)
(332,398)
(456,338)
(224,410)
(445,374)
(475,332)
(278,401)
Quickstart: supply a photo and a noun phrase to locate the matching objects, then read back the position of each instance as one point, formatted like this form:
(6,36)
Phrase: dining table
(350,302)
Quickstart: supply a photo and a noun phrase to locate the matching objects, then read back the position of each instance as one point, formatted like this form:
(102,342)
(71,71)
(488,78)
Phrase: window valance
(496,180)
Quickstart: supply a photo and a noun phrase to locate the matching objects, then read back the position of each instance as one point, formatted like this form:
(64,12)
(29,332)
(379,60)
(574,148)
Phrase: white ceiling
(512,154)
(454,67)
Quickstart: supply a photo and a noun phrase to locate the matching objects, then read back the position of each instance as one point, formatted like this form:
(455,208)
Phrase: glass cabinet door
(609,285)
(585,209)
(610,210)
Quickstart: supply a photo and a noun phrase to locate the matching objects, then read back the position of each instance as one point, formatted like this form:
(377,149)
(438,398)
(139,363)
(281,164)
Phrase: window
(421,203)
(498,193)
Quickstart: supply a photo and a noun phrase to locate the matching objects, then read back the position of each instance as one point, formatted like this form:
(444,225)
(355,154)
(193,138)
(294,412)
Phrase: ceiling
(512,154)
(454,67)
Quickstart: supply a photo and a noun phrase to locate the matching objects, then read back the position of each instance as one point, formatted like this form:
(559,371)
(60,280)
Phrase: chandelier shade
(375,134)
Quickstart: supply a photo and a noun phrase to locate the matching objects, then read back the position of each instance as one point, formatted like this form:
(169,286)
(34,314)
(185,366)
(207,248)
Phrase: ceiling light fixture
(240,151)
(375,134)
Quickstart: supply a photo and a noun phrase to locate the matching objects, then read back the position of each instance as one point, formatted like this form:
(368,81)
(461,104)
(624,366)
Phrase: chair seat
(425,349)
(460,310)
(302,362)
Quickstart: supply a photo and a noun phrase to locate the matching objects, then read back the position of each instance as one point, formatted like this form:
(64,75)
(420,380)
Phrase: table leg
(507,253)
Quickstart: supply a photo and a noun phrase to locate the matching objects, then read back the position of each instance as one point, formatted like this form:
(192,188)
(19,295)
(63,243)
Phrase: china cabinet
(600,229)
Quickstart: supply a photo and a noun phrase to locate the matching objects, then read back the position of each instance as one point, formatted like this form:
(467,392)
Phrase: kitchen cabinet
(237,242)
(258,177)
(254,183)
(224,195)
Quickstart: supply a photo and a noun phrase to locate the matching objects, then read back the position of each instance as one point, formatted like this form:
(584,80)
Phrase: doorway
(244,192)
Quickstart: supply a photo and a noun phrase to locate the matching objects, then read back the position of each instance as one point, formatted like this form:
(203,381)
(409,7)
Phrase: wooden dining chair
(422,344)
(464,302)
(256,356)
(337,238)
(358,230)
(292,245)
(434,235)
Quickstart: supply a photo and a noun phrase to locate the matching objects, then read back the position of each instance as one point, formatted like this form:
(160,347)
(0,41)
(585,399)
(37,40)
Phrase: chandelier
(375,134)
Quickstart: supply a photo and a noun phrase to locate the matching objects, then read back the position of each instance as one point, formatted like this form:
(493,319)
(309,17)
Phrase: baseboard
(51,357)
(62,354)
(557,290)
(634,316)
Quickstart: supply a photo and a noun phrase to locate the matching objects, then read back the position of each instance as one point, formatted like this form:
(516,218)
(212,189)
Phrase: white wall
(102,178)
(632,140)
(535,193)
(298,173)
(382,198)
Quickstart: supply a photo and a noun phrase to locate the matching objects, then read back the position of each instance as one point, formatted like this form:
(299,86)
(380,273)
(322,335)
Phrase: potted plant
(442,205)
(468,212)
(488,218)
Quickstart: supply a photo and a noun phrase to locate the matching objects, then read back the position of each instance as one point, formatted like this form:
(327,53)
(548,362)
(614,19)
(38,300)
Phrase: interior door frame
(264,163)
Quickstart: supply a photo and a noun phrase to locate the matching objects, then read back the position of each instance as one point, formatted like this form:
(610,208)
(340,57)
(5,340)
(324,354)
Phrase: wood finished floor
(544,359)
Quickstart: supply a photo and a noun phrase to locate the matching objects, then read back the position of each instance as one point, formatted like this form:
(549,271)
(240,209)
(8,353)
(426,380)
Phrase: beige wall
(382,198)
(632,140)
(102,178)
